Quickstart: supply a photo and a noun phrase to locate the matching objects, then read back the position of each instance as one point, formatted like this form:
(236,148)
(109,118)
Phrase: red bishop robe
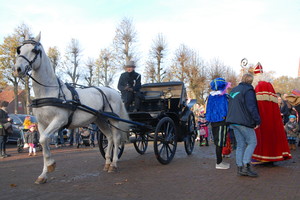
(272,143)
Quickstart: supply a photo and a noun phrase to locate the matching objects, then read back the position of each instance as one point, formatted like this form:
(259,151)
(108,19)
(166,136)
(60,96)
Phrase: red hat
(258,69)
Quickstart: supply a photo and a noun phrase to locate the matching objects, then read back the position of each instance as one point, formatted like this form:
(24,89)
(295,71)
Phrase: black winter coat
(3,120)
(31,137)
(132,80)
(242,106)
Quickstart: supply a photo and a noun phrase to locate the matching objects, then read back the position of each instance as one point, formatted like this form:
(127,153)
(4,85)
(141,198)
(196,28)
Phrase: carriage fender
(191,103)
(186,115)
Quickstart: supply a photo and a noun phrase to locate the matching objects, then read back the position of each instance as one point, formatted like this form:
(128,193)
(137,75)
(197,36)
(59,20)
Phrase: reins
(39,82)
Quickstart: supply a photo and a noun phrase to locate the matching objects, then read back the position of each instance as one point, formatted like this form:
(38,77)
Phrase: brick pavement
(79,176)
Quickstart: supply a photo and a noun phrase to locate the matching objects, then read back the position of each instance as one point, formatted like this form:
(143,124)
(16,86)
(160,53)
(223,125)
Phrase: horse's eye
(36,50)
(19,50)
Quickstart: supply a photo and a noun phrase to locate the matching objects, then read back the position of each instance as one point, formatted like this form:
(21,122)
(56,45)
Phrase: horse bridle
(35,50)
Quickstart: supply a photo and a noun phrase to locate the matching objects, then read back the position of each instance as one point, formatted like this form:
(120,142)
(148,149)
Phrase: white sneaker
(223,165)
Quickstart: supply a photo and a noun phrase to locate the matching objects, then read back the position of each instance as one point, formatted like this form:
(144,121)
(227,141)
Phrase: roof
(7,94)
(172,83)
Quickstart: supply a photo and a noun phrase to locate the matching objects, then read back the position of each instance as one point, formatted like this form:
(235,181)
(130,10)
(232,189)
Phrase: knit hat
(218,84)
(292,116)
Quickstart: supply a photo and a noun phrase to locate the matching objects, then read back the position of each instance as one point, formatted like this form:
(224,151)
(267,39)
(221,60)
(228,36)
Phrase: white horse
(32,57)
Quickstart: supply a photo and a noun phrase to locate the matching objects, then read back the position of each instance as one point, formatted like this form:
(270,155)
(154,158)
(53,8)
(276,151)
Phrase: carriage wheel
(141,142)
(165,141)
(102,142)
(191,135)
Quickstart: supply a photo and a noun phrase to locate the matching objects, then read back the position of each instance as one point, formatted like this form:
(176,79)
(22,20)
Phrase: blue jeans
(71,136)
(246,143)
(61,136)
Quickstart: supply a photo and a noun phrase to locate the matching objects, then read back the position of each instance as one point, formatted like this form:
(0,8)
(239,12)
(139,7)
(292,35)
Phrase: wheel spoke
(169,148)
(161,149)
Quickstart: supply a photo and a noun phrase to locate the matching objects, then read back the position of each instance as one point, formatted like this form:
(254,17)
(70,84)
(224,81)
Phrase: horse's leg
(106,131)
(49,162)
(108,152)
(116,141)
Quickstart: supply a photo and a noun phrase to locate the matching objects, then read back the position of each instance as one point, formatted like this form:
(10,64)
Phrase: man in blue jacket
(243,117)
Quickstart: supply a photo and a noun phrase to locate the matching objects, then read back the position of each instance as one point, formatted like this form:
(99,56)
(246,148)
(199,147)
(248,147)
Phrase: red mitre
(258,69)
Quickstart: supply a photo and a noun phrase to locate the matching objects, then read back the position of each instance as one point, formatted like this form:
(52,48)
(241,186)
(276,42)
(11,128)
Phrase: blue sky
(266,31)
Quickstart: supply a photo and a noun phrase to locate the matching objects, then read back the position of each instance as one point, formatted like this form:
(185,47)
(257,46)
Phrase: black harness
(74,104)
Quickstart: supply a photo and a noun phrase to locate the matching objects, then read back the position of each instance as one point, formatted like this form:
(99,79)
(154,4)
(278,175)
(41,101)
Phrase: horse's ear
(26,36)
(38,37)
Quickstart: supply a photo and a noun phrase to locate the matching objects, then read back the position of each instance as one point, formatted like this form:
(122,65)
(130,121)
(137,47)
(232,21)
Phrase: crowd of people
(30,135)
(262,125)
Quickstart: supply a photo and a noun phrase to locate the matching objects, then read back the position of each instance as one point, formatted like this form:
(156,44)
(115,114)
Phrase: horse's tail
(124,127)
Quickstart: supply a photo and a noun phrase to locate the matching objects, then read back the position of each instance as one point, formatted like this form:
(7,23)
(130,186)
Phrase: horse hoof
(51,167)
(106,167)
(112,169)
(40,181)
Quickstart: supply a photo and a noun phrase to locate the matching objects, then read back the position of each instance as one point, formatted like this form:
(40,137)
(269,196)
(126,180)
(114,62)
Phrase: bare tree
(181,62)
(22,31)
(197,77)
(285,84)
(157,53)
(71,66)
(90,64)
(124,42)
(232,77)
(216,68)
(150,72)
(105,68)
(54,56)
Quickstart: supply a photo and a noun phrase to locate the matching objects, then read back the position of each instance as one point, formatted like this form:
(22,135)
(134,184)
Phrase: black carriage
(164,117)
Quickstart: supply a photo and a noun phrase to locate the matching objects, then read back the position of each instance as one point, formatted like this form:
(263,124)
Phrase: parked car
(17,125)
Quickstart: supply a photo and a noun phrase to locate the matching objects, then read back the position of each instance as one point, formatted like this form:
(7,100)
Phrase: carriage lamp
(168,94)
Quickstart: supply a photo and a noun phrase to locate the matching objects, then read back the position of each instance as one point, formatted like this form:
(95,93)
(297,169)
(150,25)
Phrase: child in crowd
(31,138)
(27,122)
(203,129)
(291,128)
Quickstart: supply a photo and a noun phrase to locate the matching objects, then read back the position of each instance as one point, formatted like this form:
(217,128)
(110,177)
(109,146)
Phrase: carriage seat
(148,95)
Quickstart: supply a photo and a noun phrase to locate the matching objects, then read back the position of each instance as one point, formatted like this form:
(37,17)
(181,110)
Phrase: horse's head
(29,56)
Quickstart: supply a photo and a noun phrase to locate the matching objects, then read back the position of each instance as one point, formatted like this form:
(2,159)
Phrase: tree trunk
(16,97)
(27,96)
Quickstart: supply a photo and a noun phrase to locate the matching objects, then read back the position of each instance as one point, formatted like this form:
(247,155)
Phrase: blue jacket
(242,106)
(216,108)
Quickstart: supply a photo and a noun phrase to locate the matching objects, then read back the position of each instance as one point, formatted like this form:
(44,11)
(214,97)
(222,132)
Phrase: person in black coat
(284,109)
(3,133)
(130,85)
(243,117)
